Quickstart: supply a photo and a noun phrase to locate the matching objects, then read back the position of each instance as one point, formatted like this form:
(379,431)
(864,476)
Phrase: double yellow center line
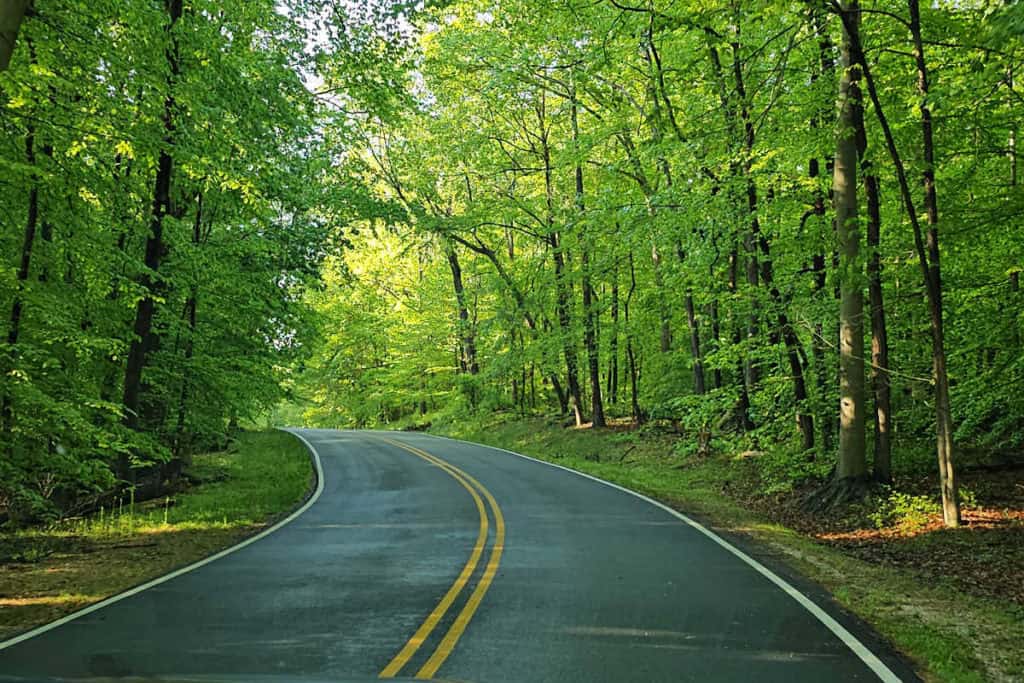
(455,631)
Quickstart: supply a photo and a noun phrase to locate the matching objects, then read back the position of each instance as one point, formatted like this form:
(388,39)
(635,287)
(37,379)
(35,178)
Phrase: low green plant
(904,511)
(968,499)
(782,469)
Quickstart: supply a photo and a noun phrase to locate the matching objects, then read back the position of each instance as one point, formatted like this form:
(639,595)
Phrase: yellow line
(469,609)
(428,625)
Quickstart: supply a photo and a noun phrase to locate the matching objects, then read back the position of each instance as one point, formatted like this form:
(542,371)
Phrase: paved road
(399,568)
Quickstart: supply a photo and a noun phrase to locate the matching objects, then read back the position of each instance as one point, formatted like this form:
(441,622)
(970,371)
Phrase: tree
(11,15)
(447,210)
(167,171)
(851,464)
(933,285)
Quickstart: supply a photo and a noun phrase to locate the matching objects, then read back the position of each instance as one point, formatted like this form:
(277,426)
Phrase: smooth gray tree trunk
(851,463)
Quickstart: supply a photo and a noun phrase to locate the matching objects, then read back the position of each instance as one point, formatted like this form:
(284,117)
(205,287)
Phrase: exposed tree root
(838,493)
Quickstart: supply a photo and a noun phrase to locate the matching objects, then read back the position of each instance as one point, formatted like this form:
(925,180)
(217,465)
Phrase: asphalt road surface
(430,558)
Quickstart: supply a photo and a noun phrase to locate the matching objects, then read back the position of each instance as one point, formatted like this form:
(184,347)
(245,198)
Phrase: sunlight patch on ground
(49,600)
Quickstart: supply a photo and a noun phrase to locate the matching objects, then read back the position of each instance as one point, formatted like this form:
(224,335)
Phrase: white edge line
(869,658)
(183,570)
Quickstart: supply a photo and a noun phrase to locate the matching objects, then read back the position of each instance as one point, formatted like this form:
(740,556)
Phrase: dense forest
(162,213)
(788,225)
(776,225)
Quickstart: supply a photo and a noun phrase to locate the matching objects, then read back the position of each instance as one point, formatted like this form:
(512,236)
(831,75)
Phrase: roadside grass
(48,572)
(948,634)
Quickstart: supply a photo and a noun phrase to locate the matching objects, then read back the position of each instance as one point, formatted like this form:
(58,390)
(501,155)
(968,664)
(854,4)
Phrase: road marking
(462,621)
(184,570)
(428,625)
(870,659)
(455,631)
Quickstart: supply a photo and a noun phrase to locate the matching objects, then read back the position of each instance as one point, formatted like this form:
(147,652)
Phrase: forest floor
(51,571)
(950,600)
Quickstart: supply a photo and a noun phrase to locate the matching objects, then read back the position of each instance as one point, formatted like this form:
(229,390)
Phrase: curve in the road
(462,620)
(594,586)
(430,623)
(877,666)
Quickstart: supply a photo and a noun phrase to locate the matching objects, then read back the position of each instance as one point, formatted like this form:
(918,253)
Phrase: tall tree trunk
(613,341)
(12,12)
(927,258)
(562,300)
(943,410)
(560,395)
(638,415)
(144,340)
(882,467)
(699,383)
(880,384)
(753,237)
(1012,153)
(589,340)
(1015,275)
(818,344)
(743,405)
(467,338)
(852,462)
(804,418)
(589,311)
(24,268)
(565,328)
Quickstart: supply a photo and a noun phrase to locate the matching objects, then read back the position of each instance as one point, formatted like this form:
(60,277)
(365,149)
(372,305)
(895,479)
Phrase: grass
(948,634)
(48,572)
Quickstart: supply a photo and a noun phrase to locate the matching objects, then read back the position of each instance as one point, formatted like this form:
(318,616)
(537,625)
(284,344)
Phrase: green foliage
(384,213)
(97,97)
(905,511)
(707,247)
